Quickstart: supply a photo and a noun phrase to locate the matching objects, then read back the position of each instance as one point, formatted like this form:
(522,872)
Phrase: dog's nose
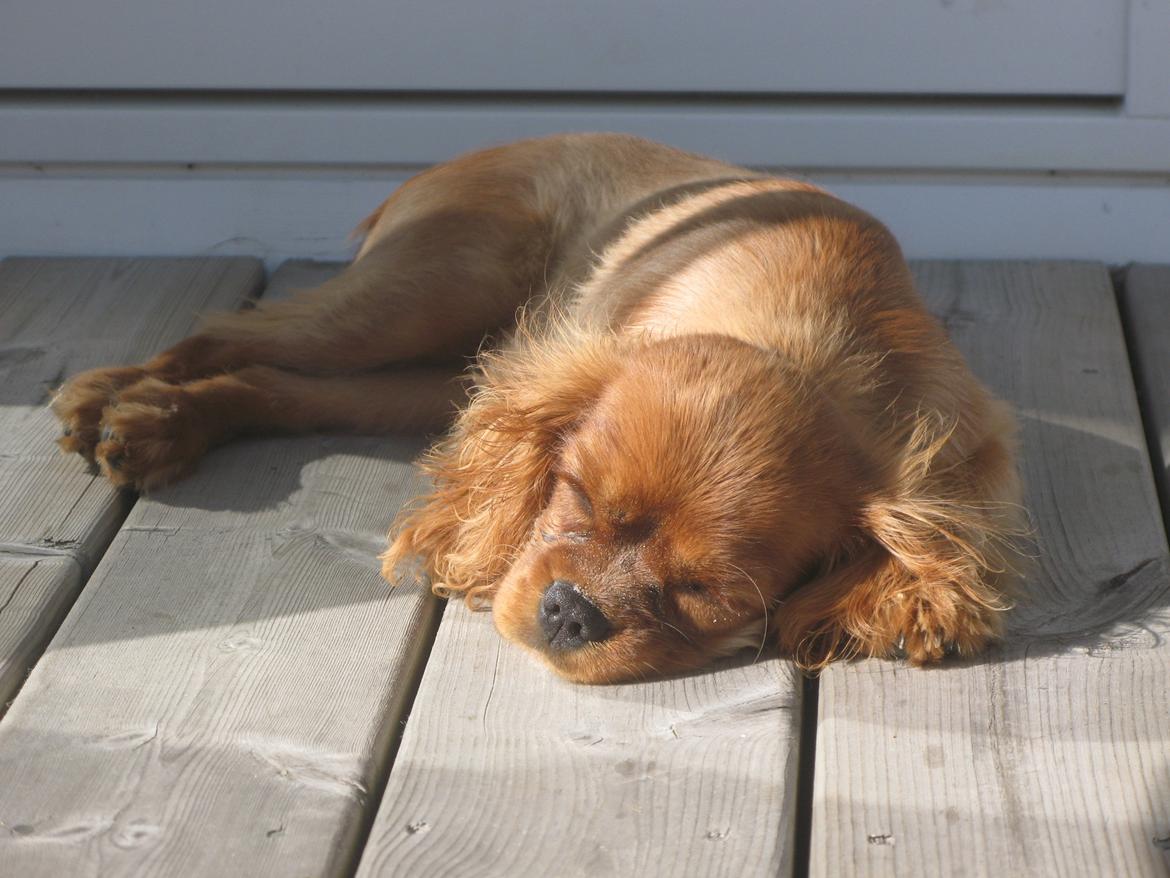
(569,619)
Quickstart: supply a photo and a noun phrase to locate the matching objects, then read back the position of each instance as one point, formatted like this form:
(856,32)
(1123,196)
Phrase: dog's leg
(429,290)
(934,574)
(155,432)
(875,606)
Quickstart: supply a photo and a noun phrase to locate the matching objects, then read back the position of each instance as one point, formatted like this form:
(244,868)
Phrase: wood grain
(222,698)
(35,594)
(507,770)
(1050,756)
(58,317)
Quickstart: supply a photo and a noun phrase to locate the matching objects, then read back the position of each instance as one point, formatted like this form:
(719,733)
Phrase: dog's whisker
(681,633)
(763,604)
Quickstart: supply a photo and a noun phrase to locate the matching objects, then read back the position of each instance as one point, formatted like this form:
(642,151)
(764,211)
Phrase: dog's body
(724,411)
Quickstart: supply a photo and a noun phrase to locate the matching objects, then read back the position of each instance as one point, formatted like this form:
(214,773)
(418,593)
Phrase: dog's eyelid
(579,492)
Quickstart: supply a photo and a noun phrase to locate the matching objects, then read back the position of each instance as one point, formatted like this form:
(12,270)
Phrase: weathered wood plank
(223,696)
(1048,757)
(35,594)
(1146,308)
(58,317)
(506,770)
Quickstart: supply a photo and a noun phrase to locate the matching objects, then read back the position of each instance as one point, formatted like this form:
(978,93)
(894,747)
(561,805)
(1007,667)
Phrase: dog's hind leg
(430,290)
(155,432)
(440,276)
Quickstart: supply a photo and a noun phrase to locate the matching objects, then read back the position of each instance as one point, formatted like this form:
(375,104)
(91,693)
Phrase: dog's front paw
(79,404)
(151,435)
(926,631)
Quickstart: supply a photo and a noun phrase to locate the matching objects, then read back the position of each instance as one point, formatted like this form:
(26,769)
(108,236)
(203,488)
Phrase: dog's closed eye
(570,513)
(579,495)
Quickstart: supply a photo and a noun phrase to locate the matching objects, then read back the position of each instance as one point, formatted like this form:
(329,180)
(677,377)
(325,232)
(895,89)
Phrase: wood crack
(16,588)
(1123,579)
(23,550)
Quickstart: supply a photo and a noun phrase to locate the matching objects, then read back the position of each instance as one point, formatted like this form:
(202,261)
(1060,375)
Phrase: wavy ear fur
(492,474)
(932,568)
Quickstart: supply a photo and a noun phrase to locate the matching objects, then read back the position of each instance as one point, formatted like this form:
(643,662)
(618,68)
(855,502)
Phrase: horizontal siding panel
(745,46)
(795,134)
(277,215)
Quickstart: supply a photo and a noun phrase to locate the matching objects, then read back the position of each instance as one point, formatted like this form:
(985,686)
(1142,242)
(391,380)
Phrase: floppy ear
(932,567)
(492,474)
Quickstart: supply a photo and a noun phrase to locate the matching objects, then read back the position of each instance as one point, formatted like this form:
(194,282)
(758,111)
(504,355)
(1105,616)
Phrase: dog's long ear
(934,561)
(492,474)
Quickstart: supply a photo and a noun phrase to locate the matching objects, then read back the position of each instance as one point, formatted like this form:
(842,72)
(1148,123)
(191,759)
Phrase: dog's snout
(569,619)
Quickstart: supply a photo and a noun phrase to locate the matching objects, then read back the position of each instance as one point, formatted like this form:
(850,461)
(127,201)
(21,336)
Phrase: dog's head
(694,492)
(641,508)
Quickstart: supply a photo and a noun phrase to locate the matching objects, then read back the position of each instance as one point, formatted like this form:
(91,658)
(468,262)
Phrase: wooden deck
(213,681)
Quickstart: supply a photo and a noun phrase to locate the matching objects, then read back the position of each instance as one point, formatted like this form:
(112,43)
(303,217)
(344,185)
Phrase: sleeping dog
(708,408)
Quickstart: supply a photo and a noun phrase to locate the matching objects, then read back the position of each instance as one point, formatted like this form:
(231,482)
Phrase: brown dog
(723,412)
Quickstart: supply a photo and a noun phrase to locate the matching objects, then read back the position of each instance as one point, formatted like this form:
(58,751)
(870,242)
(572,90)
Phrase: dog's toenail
(898,650)
(113,461)
(107,434)
(66,431)
(950,648)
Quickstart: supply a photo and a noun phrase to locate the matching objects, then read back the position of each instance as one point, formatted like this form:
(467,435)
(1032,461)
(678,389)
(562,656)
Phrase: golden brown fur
(722,411)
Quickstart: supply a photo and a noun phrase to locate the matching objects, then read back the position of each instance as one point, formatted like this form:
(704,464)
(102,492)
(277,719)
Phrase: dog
(707,409)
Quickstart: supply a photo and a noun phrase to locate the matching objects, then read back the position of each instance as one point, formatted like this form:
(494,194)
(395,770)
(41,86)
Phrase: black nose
(569,619)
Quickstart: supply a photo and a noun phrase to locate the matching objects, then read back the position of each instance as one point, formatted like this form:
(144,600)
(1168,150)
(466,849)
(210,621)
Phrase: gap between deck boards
(1141,384)
(378,789)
